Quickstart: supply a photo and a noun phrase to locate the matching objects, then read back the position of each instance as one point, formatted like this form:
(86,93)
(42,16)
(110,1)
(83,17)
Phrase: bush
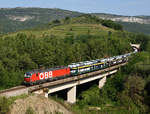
(29,111)
(112,24)
(4,105)
(56,21)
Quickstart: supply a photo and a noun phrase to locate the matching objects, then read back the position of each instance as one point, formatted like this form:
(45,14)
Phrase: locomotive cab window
(27,75)
(37,74)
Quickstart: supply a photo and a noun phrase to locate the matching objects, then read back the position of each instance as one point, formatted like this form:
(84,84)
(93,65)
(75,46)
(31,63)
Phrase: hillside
(14,19)
(136,27)
(84,24)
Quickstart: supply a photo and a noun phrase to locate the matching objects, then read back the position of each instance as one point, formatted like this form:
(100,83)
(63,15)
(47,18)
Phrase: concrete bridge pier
(46,95)
(71,95)
(102,82)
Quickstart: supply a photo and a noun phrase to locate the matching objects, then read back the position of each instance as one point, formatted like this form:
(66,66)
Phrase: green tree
(56,21)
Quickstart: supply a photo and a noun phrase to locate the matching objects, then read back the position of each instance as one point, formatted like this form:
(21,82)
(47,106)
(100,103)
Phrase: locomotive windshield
(27,75)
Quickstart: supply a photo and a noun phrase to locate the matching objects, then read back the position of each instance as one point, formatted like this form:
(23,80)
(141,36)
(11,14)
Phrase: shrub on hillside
(29,111)
(4,105)
(112,24)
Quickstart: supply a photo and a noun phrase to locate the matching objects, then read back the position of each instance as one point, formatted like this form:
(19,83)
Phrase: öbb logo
(46,75)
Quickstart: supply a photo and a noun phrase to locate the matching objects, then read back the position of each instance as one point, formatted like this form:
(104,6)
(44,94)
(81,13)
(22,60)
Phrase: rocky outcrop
(39,104)
(20,18)
(121,18)
(129,19)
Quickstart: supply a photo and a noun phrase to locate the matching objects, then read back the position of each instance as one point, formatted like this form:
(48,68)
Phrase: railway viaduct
(69,83)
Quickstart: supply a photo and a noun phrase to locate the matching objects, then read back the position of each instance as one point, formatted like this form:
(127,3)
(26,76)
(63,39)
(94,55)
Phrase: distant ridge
(19,18)
(14,19)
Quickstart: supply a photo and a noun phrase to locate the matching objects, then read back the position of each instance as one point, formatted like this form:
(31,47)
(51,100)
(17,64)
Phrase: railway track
(12,89)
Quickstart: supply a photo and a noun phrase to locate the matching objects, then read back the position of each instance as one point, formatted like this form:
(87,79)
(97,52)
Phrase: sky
(120,7)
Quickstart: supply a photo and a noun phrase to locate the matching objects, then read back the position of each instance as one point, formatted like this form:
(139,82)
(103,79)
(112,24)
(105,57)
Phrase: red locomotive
(39,76)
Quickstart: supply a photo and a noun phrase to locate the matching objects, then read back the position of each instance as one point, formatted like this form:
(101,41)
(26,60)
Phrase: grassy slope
(64,30)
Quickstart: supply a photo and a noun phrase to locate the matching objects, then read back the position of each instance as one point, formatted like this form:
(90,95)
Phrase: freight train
(74,69)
